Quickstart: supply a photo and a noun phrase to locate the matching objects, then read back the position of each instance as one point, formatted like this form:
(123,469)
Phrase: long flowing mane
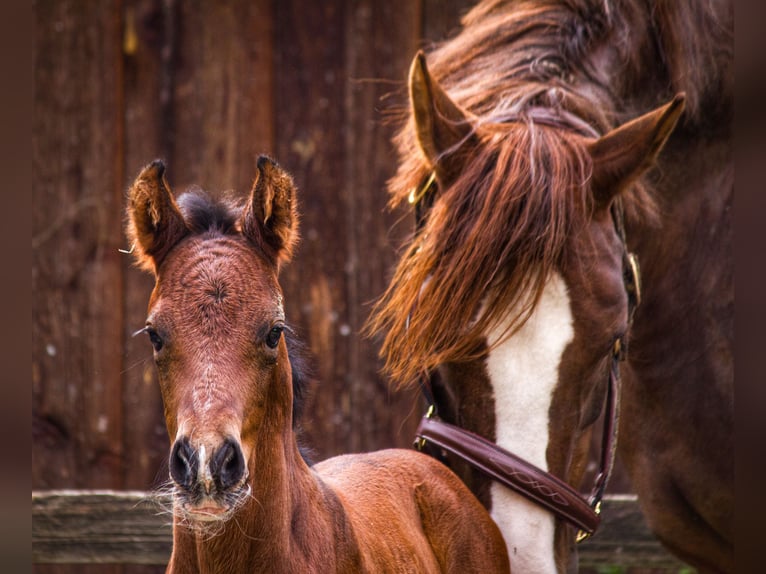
(501,226)
(494,237)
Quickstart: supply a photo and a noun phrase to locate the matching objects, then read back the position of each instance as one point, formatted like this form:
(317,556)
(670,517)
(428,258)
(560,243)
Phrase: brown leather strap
(611,424)
(527,479)
(512,471)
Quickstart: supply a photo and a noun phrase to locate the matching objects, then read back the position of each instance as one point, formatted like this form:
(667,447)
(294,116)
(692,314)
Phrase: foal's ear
(270,219)
(442,127)
(155,223)
(625,153)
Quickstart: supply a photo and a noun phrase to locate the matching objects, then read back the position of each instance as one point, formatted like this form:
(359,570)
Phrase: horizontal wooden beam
(134,527)
(100,526)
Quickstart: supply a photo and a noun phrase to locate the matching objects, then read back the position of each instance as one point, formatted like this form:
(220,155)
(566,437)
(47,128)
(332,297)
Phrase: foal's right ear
(270,219)
(155,223)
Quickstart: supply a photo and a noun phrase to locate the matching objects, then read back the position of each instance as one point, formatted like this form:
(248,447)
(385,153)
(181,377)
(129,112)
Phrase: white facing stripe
(523,372)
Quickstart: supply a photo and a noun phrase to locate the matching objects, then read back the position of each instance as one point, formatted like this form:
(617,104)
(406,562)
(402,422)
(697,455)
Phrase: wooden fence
(133,527)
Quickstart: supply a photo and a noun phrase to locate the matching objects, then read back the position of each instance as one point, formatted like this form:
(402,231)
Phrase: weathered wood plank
(99,526)
(133,527)
(380,39)
(333,63)
(76,277)
(222,93)
(147,55)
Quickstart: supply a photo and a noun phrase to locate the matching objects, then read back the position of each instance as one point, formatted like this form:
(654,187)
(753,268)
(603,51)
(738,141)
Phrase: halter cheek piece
(530,481)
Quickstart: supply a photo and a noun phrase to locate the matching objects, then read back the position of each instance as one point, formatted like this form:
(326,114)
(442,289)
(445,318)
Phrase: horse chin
(210,510)
(208,513)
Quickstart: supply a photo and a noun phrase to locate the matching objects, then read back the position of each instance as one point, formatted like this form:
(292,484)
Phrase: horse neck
(696,219)
(269,533)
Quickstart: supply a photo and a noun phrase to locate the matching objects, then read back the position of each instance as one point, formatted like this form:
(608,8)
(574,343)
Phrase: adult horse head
(529,152)
(244,498)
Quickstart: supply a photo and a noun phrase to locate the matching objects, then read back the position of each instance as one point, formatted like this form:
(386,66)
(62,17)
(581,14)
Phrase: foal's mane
(500,228)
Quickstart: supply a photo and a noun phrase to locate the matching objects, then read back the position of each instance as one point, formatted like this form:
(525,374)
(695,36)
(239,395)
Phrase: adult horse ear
(155,223)
(442,127)
(270,219)
(625,153)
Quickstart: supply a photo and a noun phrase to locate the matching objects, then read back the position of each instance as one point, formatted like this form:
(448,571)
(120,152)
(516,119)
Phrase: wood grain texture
(77,180)
(84,527)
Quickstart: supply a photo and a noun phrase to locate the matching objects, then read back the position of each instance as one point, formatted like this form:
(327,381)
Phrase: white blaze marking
(204,468)
(523,372)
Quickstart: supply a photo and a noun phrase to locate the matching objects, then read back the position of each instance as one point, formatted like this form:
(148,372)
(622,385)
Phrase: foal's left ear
(625,153)
(270,219)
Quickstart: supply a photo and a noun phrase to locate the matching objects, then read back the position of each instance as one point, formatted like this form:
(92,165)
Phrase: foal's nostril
(228,465)
(183,463)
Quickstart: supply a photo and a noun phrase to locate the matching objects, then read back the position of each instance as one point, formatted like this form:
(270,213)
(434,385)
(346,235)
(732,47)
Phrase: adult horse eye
(272,339)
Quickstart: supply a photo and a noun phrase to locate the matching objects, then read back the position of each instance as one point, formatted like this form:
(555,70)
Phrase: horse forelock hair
(496,233)
(490,242)
(203,213)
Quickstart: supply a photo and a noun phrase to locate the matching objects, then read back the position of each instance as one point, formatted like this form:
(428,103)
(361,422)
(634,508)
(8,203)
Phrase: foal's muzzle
(190,468)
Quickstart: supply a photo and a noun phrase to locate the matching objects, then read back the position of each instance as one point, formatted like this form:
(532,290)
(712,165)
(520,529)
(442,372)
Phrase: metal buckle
(417,194)
(420,442)
(633,285)
(581,534)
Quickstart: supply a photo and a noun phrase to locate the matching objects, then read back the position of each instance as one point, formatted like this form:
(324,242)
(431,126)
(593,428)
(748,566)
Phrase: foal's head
(216,322)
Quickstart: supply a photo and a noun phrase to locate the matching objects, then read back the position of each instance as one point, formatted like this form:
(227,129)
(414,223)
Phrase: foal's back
(400,495)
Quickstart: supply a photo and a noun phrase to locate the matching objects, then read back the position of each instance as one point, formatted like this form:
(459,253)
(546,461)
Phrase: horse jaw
(523,372)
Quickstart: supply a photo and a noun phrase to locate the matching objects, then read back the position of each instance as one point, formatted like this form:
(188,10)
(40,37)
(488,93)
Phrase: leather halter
(523,477)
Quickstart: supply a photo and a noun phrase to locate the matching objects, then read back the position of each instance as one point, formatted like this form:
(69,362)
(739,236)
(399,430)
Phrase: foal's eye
(155,339)
(272,339)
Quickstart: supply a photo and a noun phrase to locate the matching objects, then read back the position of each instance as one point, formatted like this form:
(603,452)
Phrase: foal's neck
(289,524)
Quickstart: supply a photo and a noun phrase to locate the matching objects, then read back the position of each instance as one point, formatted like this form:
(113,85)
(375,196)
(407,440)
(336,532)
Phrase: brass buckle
(420,442)
(581,534)
(635,276)
(417,194)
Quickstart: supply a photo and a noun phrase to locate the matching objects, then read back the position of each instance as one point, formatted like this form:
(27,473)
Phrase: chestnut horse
(244,498)
(531,151)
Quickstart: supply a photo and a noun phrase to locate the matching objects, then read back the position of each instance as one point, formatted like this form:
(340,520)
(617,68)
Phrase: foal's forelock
(202,213)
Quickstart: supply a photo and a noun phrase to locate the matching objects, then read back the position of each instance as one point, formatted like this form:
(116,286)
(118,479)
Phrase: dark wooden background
(208,86)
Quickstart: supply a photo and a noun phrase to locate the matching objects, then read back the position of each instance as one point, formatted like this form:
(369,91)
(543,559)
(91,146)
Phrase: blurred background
(208,86)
